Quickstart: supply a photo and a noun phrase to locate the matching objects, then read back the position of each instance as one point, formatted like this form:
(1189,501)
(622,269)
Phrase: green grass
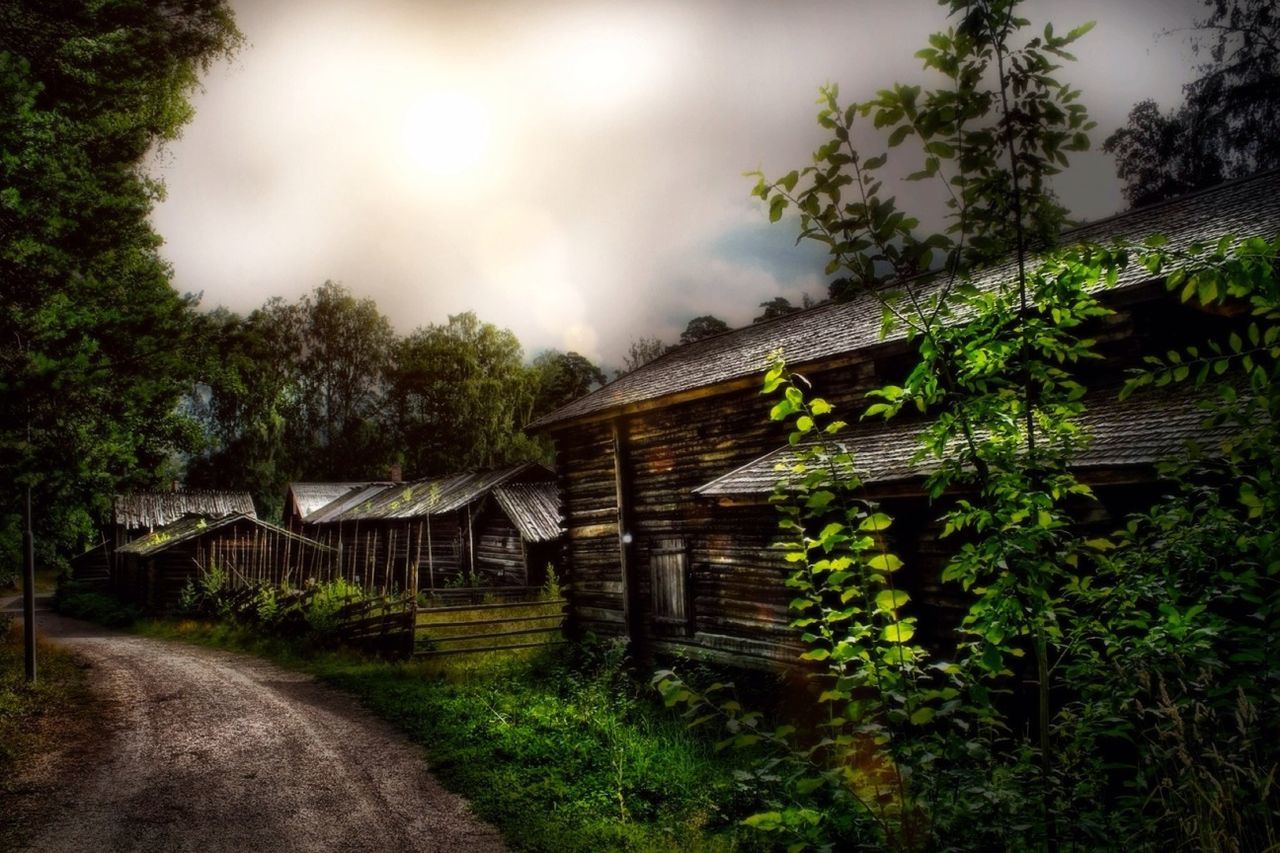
(34,719)
(559,749)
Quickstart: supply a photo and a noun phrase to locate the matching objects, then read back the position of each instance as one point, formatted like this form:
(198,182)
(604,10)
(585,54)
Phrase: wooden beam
(622,503)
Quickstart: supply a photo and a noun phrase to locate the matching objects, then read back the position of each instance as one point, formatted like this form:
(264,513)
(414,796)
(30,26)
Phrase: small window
(669,567)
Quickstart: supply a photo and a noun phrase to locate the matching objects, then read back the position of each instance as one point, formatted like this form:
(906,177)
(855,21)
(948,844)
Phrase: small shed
(137,513)
(152,569)
(494,527)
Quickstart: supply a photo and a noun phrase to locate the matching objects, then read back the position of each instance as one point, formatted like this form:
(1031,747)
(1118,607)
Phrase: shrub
(81,602)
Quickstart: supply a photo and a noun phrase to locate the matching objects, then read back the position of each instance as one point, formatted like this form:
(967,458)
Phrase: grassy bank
(34,719)
(559,749)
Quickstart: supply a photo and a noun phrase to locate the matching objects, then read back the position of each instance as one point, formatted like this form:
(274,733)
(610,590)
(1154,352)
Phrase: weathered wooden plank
(452,638)
(437,652)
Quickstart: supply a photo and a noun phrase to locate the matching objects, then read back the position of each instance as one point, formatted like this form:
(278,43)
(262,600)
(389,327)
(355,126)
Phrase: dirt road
(209,750)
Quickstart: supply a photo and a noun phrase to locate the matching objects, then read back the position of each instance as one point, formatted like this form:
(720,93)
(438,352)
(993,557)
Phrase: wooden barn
(137,514)
(152,569)
(664,473)
(497,527)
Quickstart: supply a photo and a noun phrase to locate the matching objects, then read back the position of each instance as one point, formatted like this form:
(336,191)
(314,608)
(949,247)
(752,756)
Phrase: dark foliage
(94,342)
(1229,125)
(702,327)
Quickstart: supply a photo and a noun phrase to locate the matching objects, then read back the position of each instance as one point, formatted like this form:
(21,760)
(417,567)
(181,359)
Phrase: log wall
(735,594)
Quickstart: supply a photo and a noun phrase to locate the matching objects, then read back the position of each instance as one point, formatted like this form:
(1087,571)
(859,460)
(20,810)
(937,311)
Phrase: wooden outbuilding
(498,527)
(152,570)
(664,473)
(137,514)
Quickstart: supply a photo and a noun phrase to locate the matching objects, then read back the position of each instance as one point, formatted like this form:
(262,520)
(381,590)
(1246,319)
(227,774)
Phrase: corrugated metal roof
(354,496)
(534,508)
(195,526)
(1139,431)
(309,497)
(156,509)
(421,498)
(1244,208)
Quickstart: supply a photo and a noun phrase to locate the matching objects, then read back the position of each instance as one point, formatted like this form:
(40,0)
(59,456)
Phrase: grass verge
(35,722)
(559,748)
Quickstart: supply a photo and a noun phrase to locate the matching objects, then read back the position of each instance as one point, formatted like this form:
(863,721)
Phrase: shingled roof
(1246,207)
(155,509)
(421,498)
(1141,430)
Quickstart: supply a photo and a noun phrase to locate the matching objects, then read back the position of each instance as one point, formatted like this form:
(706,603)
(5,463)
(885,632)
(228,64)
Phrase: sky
(570,171)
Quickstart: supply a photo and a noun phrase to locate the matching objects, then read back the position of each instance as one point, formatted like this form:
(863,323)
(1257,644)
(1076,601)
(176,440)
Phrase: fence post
(412,626)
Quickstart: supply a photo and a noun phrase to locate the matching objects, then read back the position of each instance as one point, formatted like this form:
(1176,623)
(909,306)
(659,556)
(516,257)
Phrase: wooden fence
(454,622)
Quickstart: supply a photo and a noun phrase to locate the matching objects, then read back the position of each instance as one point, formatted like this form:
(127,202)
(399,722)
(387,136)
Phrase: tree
(1229,124)
(94,342)
(560,378)
(458,394)
(642,351)
(346,350)
(702,327)
(991,136)
(248,402)
(778,306)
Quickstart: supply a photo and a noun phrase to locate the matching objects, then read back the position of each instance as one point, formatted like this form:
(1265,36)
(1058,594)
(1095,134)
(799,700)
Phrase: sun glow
(446,135)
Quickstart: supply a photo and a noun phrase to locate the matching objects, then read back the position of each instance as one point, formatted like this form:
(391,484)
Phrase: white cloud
(568,170)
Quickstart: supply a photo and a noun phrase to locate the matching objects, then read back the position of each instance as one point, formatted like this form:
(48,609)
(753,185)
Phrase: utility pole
(29,591)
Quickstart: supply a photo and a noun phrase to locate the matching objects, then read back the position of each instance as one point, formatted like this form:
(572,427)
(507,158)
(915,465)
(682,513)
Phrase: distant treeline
(324,389)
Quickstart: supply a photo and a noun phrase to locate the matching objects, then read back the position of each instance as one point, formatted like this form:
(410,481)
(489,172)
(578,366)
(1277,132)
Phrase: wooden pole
(471,546)
(622,504)
(29,591)
(431,563)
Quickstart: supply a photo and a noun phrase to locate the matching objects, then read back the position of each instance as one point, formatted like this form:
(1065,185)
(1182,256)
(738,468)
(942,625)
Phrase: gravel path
(210,750)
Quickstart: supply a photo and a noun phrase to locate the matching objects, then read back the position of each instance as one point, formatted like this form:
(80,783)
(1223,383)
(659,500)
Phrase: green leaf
(776,205)
(891,599)
(898,633)
(885,563)
(1079,31)
(875,523)
(765,821)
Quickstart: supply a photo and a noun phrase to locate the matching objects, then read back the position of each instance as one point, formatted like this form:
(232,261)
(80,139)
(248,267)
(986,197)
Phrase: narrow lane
(211,750)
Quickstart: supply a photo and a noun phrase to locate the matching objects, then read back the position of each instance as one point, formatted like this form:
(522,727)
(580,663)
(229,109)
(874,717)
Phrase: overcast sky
(570,171)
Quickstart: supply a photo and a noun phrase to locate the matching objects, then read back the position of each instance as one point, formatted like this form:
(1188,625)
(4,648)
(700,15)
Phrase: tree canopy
(1229,123)
(94,342)
(702,327)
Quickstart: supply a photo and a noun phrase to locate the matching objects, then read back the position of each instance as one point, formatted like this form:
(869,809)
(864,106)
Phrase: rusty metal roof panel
(534,508)
(1246,207)
(156,509)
